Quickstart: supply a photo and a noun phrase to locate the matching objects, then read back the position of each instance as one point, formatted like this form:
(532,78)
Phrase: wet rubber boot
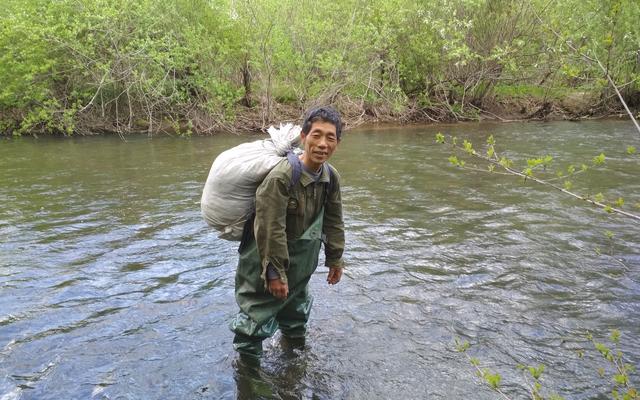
(249,348)
(249,336)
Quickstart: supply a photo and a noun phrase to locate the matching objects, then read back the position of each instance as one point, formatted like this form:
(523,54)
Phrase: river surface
(113,287)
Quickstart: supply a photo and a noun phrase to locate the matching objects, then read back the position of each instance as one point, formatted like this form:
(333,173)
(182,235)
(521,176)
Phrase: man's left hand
(334,276)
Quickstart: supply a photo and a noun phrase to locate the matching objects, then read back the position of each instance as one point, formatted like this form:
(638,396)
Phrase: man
(298,207)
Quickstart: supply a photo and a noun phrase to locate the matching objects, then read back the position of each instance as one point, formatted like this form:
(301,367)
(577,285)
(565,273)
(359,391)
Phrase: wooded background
(197,66)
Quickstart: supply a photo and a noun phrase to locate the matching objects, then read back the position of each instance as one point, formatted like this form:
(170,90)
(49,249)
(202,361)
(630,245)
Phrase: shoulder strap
(332,179)
(296,166)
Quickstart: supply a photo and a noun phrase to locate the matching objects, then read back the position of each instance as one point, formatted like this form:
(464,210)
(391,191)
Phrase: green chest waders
(260,312)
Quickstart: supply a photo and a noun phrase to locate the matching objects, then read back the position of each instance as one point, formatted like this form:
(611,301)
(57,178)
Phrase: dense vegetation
(206,65)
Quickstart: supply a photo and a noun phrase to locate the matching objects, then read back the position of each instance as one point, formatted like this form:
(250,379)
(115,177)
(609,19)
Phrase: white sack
(229,194)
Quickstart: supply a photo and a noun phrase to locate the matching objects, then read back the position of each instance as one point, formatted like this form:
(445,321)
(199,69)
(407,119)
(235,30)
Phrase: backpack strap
(296,165)
(328,187)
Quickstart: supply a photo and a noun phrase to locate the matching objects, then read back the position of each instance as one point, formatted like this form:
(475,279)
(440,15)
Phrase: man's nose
(322,142)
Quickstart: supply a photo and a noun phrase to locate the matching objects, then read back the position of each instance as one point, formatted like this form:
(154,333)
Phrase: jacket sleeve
(270,225)
(333,226)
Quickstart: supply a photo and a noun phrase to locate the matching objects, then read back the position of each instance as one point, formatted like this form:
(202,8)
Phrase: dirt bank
(573,106)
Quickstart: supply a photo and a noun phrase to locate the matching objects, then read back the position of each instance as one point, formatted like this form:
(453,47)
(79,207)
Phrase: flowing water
(112,286)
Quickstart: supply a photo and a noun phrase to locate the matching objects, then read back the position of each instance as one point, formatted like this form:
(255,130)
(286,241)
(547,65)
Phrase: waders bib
(260,312)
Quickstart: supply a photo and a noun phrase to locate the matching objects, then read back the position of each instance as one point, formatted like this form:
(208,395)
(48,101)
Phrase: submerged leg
(293,317)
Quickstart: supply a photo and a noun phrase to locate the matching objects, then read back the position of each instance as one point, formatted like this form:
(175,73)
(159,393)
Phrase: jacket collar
(306,179)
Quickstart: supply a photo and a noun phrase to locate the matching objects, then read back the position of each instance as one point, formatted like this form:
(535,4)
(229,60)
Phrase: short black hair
(324,114)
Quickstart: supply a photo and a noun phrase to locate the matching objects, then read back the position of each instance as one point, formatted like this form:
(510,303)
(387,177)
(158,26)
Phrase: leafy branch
(506,165)
(622,386)
(492,379)
(622,369)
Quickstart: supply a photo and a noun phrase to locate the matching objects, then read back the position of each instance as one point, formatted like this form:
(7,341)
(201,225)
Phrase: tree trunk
(246,81)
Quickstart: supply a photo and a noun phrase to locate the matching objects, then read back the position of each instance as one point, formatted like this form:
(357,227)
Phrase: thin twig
(481,373)
(496,161)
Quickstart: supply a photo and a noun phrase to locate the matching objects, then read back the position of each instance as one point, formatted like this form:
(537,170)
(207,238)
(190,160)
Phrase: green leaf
(599,197)
(491,141)
(468,147)
(440,138)
(505,162)
(604,350)
(493,380)
(631,150)
(631,394)
(461,347)
(568,185)
(619,202)
(490,151)
(599,160)
(536,372)
(620,379)
(615,334)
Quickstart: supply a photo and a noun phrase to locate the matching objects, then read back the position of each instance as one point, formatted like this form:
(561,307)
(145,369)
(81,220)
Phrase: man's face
(319,144)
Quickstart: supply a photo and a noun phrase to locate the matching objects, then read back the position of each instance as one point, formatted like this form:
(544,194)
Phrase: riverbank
(573,106)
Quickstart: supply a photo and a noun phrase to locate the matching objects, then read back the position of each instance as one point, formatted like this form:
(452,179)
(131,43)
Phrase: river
(113,287)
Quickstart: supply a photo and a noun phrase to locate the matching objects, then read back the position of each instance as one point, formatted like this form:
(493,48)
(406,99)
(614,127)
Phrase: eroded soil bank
(574,106)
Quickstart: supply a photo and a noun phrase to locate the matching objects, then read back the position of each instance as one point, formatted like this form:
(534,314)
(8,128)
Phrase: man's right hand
(278,289)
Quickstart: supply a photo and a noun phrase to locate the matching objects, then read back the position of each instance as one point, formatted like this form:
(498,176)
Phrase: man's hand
(278,289)
(334,276)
